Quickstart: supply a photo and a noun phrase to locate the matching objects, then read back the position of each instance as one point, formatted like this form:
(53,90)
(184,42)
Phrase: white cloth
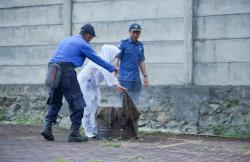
(89,79)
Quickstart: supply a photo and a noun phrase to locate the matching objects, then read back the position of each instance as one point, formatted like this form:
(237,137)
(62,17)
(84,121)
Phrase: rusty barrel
(118,122)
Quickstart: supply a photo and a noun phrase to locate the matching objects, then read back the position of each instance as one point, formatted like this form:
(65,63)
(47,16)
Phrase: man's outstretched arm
(90,53)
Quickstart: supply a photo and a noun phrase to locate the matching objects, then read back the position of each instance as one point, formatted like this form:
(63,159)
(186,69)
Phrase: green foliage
(218,129)
(236,134)
(20,119)
(2,116)
(60,160)
(235,103)
(34,120)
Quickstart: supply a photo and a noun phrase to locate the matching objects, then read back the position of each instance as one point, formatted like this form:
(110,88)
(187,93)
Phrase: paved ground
(24,144)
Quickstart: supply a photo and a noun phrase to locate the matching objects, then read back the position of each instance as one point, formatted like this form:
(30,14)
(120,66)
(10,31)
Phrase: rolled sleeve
(141,56)
(121,47)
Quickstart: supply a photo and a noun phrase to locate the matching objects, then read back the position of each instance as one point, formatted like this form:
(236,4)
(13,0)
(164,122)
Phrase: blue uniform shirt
(132,53)
(74,50)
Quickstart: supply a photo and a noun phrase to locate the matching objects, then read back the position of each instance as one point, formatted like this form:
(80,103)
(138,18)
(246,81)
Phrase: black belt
(65,65)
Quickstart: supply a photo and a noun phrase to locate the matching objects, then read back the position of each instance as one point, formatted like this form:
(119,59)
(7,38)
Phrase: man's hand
(120,88)
(116,71)
(145,80)
(143,70)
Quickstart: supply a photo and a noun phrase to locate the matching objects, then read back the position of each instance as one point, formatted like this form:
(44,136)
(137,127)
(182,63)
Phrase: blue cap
(88,28)
(134,27)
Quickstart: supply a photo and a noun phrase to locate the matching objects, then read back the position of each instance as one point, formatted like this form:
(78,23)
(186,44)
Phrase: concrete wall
(222,42)
(186,41)
(29,32)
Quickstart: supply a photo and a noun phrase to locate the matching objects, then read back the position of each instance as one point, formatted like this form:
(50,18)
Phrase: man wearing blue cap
(130,59)
(70,54)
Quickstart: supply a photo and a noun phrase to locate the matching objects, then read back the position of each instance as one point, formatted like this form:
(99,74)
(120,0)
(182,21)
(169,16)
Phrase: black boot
(75,136)
(47,131)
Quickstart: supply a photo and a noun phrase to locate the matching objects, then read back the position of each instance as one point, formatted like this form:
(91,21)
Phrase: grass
(236,134)
(141,157)
(158,133)
(22,120)
(201,147)
(235,103)
(60,160)
(243,149)
(2,117)
(220,131)
(112,143)
(34,120)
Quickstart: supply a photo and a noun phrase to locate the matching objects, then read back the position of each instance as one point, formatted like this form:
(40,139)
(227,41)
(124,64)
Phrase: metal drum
(118,122)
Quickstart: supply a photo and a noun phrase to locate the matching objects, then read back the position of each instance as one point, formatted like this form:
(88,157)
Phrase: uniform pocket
(55,97)
(77,102)
(53,75)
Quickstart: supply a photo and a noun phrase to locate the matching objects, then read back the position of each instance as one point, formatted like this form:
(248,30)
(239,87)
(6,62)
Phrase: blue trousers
(134,89)
(70,89)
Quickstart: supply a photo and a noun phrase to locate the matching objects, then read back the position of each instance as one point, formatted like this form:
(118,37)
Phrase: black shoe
(75,136)
(47,131)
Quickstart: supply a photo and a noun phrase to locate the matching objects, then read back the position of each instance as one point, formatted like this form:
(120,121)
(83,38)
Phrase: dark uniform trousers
(70,89)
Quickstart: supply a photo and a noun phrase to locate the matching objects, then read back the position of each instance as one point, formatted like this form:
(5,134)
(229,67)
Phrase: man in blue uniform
(71,54)
(130,59)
